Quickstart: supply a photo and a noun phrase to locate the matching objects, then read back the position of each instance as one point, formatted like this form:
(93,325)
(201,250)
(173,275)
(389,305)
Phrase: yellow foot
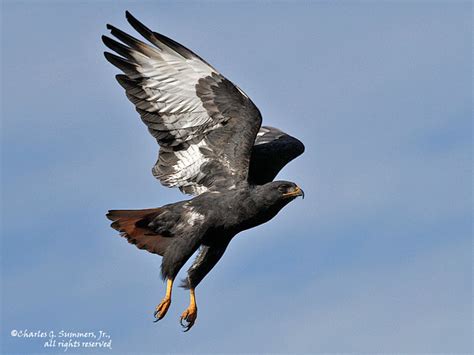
(162,308)
(189,316)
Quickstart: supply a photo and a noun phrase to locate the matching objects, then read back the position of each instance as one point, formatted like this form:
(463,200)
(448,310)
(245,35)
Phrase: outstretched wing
(273,149)
(204,124)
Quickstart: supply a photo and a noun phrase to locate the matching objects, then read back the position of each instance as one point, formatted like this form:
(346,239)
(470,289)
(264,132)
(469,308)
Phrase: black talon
(189,326)
(157,316)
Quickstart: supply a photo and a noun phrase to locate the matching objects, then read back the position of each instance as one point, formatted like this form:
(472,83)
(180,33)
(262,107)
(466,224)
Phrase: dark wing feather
(204,124)
(273,149)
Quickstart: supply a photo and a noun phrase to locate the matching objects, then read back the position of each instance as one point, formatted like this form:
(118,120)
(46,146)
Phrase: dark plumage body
(212,145)
(209,221)
(224,215)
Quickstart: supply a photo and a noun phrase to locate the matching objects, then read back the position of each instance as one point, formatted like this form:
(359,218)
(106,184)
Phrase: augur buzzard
(212,146)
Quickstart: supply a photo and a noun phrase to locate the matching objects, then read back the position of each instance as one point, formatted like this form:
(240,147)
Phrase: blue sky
(377,258)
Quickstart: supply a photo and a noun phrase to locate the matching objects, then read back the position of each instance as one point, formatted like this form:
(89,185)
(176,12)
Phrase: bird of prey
(212,146)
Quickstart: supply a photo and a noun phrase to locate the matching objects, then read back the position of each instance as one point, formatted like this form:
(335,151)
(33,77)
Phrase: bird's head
(288,190)
(279,193)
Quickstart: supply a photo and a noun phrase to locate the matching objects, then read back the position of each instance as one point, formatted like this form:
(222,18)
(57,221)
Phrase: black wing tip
(120,77)
(121,63)
(130,18)
(124,81)
(114,30)
(110,57)
(113,44)
(117,32)
(107,40)
(161,40)
(297,146)
(138,26)
(300,148)
(128,15)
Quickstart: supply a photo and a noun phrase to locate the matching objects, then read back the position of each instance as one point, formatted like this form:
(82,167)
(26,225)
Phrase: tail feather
(133,225)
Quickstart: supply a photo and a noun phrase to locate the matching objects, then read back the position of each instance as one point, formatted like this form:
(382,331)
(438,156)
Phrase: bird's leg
(190,314)
(162,308)
(207,258)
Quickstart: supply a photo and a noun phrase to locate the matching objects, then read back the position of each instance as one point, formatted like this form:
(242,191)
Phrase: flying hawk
(212,146)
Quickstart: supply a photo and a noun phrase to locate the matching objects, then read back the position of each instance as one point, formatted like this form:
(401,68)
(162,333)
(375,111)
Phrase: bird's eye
(283,188)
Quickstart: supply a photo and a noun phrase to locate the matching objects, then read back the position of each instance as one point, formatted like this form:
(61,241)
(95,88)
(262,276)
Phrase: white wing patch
(194,217)
(189,218)
(160,82)
(180,168)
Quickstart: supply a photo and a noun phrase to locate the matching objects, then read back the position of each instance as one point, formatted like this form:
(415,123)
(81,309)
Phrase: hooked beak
(295,193)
